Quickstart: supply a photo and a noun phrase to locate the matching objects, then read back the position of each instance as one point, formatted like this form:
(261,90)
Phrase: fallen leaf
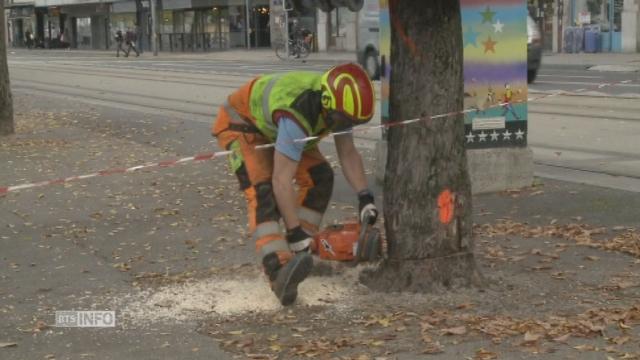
(530,337)
(7,344)
(483,354)
(39,326)
(236,332)
(259,356)
(562,339)
(629,356)
(592,258)
(433,348)
(624,326)
(584,347)
(620,340)
(460,330)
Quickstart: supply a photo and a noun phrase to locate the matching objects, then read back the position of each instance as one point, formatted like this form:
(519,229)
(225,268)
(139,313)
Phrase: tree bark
(6,101)
(427,191)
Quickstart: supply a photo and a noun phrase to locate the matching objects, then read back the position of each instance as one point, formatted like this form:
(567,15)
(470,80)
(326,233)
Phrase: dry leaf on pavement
(433,348)
(460,330)
(530,337)
(483,354)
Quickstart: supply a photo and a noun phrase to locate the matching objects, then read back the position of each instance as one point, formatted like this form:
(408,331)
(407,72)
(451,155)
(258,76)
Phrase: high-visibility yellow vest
(295,95)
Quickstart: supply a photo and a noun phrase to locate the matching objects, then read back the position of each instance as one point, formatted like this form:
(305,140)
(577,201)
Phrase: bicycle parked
(300,43)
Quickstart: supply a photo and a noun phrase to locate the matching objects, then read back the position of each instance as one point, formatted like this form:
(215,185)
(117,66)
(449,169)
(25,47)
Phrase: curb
(593,94)
(615,68)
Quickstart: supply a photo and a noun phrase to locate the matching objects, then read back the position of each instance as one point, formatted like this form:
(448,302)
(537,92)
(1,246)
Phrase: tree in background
(6,101)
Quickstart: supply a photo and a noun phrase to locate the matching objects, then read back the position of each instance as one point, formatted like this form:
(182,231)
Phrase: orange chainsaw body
(349,242)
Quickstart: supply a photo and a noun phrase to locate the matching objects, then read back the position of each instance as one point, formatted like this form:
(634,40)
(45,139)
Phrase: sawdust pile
(224,296)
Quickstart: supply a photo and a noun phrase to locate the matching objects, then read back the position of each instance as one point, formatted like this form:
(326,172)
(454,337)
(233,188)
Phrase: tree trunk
(427,191)
(6,101)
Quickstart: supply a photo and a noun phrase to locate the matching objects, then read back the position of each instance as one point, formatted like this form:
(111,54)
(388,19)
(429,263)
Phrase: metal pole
(246,5)
(572,12)
(611,25)
(286,29)
(154,28)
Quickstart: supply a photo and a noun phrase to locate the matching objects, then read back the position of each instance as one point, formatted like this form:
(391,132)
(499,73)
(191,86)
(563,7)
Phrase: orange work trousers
(254,168)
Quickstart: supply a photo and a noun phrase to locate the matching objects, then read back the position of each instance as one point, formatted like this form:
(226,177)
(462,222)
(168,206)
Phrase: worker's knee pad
(267,208)
(319,195)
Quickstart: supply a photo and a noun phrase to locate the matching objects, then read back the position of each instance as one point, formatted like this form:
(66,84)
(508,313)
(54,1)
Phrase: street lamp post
(154,29)
(611,25)
(286,28)
(247,27)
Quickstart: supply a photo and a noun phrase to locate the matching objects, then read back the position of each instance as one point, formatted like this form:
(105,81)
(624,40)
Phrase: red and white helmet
(347,89)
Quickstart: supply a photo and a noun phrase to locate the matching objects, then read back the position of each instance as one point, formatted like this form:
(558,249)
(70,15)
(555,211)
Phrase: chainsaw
(350,241)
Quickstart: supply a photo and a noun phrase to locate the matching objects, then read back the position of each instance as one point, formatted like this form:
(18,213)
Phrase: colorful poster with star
(495,72)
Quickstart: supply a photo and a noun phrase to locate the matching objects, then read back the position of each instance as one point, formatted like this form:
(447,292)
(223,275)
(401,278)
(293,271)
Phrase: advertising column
(495,93)
(495,83)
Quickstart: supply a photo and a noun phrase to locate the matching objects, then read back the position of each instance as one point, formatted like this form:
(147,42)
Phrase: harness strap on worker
(238,122)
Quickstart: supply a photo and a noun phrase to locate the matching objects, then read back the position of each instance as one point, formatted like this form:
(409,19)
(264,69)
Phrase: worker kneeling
(285,109)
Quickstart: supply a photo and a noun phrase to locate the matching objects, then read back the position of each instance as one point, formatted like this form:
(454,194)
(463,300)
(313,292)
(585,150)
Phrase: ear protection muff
(327,99)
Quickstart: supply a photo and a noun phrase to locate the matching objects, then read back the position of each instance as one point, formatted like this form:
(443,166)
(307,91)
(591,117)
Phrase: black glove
(366,207)
(299,240)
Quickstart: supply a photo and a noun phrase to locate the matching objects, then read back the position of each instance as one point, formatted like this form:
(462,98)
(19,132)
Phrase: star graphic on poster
(470,37)
(519,135)
(494,136)
(482,136)
(506,135)
(489,45)
(498,26)
(487,15)
(470,137)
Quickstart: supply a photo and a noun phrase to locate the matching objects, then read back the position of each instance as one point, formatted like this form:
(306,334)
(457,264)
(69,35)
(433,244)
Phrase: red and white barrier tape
(208,156)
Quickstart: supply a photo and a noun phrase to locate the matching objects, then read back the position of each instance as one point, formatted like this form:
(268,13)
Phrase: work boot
(285,278)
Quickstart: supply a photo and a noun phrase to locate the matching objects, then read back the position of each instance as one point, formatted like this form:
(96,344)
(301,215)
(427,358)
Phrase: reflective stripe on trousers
(310,218)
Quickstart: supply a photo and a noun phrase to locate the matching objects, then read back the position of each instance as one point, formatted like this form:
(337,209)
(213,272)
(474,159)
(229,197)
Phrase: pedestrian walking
(284,109)
(28,36)
(119,43)
(130,39)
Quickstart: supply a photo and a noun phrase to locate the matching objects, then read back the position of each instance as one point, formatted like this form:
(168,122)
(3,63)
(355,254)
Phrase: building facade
(615,21)
(183,25)
(210,25)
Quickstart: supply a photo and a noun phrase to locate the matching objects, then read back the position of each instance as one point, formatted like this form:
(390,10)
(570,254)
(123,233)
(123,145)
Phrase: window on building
(167,22)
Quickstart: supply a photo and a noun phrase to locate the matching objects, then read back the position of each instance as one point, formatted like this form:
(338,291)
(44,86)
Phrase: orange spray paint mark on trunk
(445,205)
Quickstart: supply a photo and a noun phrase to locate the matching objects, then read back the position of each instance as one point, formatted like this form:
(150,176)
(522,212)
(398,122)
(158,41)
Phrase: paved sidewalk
(257,55)
(597,59)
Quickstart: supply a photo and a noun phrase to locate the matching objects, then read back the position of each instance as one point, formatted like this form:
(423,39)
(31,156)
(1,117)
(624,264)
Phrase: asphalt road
(570,78)
(590,133)
(585,135)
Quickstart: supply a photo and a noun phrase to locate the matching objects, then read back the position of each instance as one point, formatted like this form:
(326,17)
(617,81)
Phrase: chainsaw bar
(371,247)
